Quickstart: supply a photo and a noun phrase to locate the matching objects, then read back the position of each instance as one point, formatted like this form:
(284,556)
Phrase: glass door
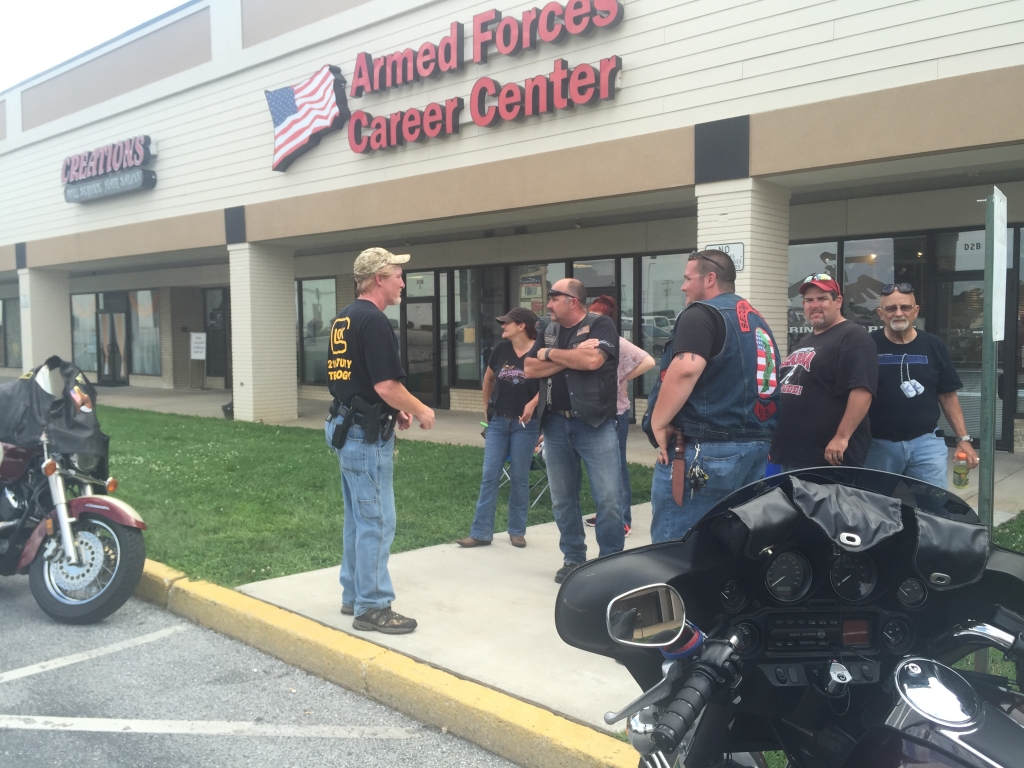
(112,339)
(217,305)
(418,340)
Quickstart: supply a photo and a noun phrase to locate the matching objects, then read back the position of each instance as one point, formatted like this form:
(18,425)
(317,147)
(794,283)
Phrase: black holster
(371,418)
(341,430)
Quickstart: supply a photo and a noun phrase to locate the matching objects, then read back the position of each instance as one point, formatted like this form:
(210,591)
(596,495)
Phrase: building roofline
(102,45)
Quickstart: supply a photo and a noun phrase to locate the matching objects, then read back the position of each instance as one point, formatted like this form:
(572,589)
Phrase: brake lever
(672,671)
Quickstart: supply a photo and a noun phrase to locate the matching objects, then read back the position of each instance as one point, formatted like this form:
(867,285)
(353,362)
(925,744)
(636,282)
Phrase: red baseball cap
(821,280)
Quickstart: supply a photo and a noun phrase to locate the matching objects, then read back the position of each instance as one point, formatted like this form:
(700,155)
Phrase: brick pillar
(45,315)
(263,346)
(755,213)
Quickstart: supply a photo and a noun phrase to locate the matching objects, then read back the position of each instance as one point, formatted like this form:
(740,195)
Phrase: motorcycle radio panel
(801,632)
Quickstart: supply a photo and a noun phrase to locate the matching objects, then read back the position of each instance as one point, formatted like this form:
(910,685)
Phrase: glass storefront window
(418,284)
(145,338)
(965,251)
(660,279)
(394,313)
(319,305)
(598,275)
(83,331)
(467,321)
(216,321)
(492,306)
(530,284)
(3,340)
(867,266)
(443,330)
(12,331)
(804,260)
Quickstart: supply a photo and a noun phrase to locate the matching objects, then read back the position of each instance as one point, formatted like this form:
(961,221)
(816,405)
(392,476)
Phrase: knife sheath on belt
(679,469)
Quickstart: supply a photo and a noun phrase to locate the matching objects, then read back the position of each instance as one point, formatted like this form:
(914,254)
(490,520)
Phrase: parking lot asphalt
(146,688)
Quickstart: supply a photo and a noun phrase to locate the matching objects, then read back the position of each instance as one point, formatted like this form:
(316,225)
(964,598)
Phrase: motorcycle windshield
(55,397)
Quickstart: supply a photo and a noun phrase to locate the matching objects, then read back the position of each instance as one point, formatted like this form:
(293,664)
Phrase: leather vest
(592,394)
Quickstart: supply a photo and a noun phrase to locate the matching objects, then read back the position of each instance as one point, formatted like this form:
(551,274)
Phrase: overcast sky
(39,34)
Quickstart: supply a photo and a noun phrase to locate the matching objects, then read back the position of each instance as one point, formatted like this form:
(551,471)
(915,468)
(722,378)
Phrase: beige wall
(167,51)
(266,19)
(8,258)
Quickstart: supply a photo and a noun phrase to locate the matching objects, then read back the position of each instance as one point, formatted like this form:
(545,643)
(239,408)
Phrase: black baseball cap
(519,315)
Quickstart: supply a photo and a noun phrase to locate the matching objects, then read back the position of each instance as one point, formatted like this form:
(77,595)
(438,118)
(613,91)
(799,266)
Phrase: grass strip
(233,502)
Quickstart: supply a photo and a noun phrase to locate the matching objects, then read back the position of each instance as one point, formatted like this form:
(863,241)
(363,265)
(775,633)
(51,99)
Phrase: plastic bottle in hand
(960,477)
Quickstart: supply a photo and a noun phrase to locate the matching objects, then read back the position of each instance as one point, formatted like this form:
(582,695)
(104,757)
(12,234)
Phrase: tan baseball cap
(373,260)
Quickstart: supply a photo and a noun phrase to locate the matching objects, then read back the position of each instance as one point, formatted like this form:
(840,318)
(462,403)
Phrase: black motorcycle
(82,549)
(815,613)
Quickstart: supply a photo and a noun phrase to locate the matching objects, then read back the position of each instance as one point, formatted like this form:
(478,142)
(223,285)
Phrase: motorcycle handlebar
(684,710)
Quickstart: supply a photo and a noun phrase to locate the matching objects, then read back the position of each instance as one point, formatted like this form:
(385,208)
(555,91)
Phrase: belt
(359,419)
(567,414)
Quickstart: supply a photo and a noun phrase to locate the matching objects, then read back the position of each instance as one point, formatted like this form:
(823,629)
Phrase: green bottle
(960,477)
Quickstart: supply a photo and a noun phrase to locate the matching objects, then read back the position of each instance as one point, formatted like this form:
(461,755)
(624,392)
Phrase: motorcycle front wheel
(111,559)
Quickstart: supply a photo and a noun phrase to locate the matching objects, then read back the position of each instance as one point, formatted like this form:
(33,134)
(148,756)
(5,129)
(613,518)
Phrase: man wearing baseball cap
(365,375)
(827,385)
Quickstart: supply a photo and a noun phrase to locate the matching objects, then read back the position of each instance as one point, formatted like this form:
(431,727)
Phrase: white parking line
(197,728)
(45,666)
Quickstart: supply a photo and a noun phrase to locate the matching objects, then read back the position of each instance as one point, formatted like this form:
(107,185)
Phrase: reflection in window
(83,331)
(531,283)
(419,284)
(965,251)
(443,330)
(319,305)
(467,320)
(661,278)
(804,260)
(12,332)
(145,339)
(867,266)
(598,275)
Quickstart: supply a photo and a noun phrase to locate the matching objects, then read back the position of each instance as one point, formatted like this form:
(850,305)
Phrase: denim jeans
(923,458)
(366,484)
(506,438)
(729,466)
(566,442)
(625,491)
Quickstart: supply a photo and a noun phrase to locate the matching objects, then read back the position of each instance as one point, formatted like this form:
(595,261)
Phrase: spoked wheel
(111,558)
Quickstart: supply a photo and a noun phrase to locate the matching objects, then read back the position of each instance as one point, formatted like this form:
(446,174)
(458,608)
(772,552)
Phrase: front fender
(108,507)
(112,509)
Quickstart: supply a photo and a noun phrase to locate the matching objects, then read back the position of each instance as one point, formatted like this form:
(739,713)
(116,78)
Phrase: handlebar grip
(683,712)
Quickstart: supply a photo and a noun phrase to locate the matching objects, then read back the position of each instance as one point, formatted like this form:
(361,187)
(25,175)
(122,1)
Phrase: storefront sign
(110,170)
(198,346)
(734,251)
(490,102)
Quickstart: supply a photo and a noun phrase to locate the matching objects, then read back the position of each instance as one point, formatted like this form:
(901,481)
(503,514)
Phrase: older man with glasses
(916,379)
(577,416)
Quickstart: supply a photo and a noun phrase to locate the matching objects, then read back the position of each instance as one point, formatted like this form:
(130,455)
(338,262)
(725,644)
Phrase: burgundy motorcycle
(82,549)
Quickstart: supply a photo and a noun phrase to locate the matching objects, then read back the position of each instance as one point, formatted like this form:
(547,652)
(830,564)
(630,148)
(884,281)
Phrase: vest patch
(766,381)
(765,410)
(743,310)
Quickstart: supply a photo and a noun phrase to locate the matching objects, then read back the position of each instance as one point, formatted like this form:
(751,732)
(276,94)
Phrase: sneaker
(384,620)
(591,521)
(347,609)
(625,530)
(565,570)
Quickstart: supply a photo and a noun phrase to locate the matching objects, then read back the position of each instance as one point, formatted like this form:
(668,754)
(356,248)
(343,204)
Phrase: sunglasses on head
(819,276)
(552,294)
(888,288)
(694,255)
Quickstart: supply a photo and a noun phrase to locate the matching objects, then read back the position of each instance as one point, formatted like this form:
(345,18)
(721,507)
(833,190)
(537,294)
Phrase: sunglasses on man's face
(904,308)
(553,294)
(888,288)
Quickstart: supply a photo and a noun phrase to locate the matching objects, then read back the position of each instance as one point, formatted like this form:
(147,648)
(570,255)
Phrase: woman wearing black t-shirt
(510,400)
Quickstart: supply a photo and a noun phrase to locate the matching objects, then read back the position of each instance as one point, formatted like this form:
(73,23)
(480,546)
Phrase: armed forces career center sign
(303,113)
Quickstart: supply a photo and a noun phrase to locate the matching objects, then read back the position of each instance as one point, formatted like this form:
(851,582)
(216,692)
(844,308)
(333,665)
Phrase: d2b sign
(733,250)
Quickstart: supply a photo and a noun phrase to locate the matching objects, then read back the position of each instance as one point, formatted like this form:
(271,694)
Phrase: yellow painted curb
(156,582)
(520,732)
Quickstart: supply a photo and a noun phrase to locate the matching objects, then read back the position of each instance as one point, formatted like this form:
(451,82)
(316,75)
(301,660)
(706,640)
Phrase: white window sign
(999,267)
(198,346)
(735,251)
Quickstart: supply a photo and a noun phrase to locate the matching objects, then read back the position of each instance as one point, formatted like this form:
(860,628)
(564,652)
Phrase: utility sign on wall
(734,251)
(198,346)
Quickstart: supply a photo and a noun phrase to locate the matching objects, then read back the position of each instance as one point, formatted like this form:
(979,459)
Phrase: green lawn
(232,502)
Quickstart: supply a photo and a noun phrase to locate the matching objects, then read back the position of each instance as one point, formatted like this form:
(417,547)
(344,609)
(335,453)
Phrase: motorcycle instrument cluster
(896,635)
(912,593)
(854,576)
(789,577)
(733,595)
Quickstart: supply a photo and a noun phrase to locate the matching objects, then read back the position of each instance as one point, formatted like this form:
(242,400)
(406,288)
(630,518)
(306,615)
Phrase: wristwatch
(964,439)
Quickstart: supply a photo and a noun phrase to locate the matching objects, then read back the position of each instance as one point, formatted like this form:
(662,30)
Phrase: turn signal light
(49,467)
(111,484)
(49,526)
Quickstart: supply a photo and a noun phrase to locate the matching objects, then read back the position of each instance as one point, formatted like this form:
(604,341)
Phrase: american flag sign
(303,113)
(766,381)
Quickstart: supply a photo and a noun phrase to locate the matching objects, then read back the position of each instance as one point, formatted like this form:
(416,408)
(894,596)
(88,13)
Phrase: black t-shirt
(362,351)
(894,416)
(701,330)
(603,329)
(512,390)
(815,381)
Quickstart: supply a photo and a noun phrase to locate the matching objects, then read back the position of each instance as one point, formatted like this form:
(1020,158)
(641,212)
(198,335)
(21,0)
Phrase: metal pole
(994,304)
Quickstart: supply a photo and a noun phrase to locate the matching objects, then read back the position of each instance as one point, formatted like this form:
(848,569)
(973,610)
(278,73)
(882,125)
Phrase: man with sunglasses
(577,412)
(827,384)
(916,378)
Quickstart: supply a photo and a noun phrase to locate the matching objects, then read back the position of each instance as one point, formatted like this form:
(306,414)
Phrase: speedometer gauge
(788,577)
(854,576)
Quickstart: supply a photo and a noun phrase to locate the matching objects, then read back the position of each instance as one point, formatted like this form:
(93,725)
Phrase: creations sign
(490,102)
(110,170)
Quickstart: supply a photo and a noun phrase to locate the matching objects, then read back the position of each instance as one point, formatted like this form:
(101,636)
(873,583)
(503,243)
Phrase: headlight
(87,462)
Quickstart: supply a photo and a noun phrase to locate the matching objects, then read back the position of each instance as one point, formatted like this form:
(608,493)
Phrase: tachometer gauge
(854,576)
(789,577)
(733,595)
(912,593)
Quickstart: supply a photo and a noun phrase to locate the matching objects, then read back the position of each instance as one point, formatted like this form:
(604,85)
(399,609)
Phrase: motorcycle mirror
(648,617)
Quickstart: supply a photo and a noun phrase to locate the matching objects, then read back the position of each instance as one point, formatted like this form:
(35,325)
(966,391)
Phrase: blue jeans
(923,458)
(366,485)
(506,438)
(729,466)
(625,491)
(566,442)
